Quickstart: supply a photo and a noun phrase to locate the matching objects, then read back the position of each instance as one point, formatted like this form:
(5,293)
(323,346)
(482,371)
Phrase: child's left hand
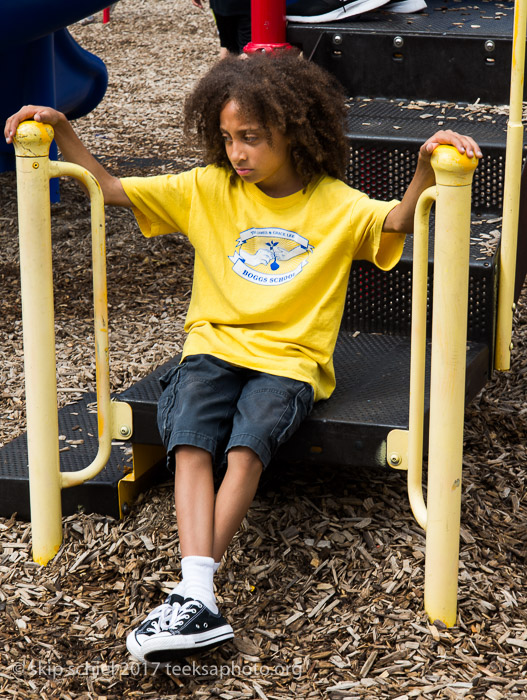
(464,144)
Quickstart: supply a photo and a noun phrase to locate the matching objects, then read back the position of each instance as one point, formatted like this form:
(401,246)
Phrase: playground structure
(320,442)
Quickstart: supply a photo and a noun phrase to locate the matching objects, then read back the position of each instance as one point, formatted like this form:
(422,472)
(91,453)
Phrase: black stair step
(458,18)
(453,50)
(78,445)
(385,136)
(414,121)
(349,429)
(381,302)
(371,398)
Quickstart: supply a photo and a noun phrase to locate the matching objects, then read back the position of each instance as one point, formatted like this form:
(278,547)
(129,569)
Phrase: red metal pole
(267,26)
(106,15)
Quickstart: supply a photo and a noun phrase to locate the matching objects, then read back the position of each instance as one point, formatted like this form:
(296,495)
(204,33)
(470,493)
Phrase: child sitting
(275,230)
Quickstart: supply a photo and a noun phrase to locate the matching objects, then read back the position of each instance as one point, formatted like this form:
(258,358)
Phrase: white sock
(179,589)
(217,565)
(198,573)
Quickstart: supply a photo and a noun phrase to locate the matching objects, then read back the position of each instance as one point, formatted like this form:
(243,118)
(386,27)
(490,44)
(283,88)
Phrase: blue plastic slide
(43,64)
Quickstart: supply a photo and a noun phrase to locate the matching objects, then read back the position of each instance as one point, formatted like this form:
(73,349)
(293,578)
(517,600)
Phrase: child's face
(266,165)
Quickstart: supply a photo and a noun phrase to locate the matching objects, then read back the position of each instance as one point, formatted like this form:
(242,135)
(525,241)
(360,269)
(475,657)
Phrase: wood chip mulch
(324,582)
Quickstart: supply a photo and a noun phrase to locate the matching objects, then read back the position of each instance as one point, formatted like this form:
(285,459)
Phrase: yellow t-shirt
(270,274)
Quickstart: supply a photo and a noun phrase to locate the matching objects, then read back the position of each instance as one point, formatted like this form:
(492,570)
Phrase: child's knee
(243,458)
(191,457)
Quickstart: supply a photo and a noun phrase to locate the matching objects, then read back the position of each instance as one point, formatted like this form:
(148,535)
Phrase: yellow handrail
(106,430)
(511,193)
(114,418)
(418,355)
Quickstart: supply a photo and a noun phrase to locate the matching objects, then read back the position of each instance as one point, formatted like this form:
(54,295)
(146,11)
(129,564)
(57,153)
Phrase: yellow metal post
(114,418)
(32,149)
(447,385)
(511,193)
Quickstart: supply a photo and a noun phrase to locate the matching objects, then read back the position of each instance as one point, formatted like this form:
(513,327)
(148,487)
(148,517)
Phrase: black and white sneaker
(156,621)
(192,628)
(329,10)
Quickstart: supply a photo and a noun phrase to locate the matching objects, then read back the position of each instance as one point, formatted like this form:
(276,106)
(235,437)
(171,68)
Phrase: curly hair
(280,91)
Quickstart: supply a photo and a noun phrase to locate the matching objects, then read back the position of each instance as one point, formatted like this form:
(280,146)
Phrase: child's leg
(194,417)
(235,495)
(194,499)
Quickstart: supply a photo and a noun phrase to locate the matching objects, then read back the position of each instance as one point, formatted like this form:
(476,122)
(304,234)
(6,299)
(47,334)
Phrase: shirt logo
(270,256)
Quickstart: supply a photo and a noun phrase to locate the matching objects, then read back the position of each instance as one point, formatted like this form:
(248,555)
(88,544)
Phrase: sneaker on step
(329,10)
(405,6)
(156,621)
(193,628)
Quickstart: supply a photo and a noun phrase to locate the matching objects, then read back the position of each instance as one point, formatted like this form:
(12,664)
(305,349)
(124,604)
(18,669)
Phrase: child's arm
(401,217)
(71,148)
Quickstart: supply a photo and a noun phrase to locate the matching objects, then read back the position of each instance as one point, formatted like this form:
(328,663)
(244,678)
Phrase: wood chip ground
(324,583)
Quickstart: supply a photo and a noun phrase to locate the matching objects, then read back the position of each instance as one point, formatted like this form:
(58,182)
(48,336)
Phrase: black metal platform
(350,428)
(453,50)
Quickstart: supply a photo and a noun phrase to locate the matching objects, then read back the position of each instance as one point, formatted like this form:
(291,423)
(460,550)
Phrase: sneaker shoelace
(183,612)
(160,617)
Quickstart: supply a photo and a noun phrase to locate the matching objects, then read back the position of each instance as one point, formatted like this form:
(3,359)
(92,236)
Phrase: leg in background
(235,496)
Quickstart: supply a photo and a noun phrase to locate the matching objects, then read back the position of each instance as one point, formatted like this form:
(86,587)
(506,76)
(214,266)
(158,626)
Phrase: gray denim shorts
(212,404)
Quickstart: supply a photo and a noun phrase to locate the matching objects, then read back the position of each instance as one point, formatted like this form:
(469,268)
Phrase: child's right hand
(46,115)
(464,144)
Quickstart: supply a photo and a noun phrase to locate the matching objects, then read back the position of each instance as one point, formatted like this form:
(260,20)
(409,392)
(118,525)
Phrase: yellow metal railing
(440,517)
(511,193)
(418,355)
(34,169)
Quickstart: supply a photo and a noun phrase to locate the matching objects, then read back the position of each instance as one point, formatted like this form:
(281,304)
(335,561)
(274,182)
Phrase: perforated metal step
(350,429)
(381,302)
(385,136)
